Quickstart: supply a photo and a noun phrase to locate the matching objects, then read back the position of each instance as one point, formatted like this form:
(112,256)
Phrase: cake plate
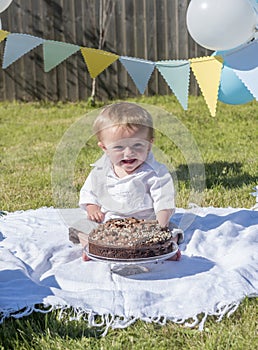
(127,267)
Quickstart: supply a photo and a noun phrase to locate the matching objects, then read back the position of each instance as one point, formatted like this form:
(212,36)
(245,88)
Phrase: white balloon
(4,4)
(221,24)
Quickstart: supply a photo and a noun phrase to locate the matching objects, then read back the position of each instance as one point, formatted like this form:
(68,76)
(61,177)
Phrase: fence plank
(162,39)
(121,49)
(70,22)
(38,29)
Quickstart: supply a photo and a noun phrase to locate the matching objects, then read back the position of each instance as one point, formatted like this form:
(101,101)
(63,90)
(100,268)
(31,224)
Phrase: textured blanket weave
(218,268)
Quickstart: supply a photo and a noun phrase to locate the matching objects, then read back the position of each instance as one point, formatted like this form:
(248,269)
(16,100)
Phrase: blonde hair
(124,114)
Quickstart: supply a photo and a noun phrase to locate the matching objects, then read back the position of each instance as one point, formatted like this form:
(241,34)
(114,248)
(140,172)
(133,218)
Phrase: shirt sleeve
(162,189)
(87,194)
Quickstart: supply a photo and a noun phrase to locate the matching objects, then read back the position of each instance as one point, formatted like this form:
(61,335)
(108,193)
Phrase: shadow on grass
(226,174)
(37,326)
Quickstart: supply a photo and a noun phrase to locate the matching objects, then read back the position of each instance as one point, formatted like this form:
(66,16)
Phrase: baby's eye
(118,148)
(138,145)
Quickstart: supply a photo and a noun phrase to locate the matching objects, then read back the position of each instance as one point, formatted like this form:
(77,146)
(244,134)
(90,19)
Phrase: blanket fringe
(220,311)
(228,310)
(28,310)
(106,321)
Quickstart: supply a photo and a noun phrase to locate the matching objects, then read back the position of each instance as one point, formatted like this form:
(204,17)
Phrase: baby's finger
(101,216)
(94,217)
(98,217)
(91,217)
(178,255)
(85,257)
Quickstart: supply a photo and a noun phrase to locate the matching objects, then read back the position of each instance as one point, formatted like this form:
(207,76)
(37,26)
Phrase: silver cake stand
(127,267)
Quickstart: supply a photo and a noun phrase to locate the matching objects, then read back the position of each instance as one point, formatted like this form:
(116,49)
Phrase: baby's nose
(128,151)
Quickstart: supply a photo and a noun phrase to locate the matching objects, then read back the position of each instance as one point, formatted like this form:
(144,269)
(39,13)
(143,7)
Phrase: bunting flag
(55,52)
(244,62)
(177,76)
(3,34)
(207,71)
(139,70)
(97,60)
(18,45)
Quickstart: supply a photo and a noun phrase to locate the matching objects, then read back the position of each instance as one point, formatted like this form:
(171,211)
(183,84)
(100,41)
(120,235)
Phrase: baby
(127,181)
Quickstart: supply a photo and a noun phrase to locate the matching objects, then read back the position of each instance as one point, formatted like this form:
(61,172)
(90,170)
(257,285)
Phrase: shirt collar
(102,162)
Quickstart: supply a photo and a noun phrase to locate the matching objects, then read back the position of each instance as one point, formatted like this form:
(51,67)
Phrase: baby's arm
(89,199)
(94,212)
(163,216)
(162,193)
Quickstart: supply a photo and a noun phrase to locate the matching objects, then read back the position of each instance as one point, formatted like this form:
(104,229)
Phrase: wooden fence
(148,29)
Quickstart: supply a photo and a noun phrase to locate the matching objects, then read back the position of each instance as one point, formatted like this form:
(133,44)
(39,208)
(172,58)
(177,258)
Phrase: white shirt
(141,194)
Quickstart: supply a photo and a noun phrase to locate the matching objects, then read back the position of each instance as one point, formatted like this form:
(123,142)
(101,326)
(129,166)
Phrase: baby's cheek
(114,158)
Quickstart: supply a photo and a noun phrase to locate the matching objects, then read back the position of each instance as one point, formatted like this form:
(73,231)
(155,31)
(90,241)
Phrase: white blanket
(218,268)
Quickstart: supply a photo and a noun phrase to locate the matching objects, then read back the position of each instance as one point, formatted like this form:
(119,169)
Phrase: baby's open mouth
(128,161)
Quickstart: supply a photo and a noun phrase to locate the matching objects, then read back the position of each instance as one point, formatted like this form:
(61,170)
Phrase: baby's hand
(163,217)
(94,213)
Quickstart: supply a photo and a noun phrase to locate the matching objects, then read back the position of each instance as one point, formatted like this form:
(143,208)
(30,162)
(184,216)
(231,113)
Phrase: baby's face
(126,148)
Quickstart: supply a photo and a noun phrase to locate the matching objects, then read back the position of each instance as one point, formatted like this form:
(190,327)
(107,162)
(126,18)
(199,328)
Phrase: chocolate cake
(130,238)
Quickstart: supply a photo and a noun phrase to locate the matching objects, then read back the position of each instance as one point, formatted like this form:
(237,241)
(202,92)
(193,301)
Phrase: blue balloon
(232,90)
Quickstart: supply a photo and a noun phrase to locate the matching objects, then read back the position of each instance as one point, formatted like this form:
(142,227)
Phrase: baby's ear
(100,144)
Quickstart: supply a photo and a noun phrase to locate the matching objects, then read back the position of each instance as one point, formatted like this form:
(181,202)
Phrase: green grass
(46,331)
(227,144)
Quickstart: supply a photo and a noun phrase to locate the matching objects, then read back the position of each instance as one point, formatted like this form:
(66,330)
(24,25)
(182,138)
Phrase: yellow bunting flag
(3,34)
(207,71)
(97,60)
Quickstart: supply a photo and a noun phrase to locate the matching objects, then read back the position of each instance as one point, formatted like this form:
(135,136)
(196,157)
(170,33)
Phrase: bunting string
(207,70)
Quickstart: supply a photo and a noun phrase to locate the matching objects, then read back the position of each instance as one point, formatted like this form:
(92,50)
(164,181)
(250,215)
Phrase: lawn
(227,149)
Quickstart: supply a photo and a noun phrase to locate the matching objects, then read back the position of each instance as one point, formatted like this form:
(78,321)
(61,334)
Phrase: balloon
(4,4)
(232,90)
(221,24)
